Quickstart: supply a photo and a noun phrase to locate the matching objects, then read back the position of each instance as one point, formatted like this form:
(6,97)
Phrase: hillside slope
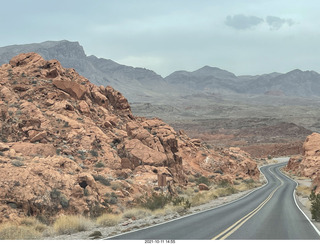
(69,146)
(137,84)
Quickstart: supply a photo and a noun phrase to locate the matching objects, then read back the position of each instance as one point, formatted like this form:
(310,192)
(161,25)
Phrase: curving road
(270,212)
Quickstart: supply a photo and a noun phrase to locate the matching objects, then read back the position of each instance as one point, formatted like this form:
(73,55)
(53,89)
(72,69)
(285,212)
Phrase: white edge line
(203,211)
(294,197)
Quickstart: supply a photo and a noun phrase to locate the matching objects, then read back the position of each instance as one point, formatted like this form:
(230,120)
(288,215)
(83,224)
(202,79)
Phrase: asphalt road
(269,212)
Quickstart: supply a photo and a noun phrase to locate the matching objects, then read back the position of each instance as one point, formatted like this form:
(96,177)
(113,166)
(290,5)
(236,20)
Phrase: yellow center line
(226,233)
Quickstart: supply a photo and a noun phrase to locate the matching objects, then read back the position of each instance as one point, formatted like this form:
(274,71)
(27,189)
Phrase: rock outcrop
(308,164)
(68,146)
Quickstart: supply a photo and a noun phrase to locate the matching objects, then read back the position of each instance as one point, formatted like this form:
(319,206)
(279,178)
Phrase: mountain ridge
(144,85)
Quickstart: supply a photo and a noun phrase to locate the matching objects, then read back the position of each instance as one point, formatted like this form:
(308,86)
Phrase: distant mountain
(206,79)
(294,83)
(214,80)
(137,84)
(143,85)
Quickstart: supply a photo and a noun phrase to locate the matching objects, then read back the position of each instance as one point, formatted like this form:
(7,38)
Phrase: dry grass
(10,231)
(168,209)
(137,213)
(203,197)
(303,191)
(67,224)
(109,219)
(34,223)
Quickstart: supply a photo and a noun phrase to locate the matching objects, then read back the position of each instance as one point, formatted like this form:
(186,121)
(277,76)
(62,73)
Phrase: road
(269,212)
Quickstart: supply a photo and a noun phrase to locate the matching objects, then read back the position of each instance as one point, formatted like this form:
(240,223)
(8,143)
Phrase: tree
(315,206)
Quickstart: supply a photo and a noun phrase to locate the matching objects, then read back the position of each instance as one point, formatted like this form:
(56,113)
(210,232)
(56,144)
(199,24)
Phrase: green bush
(17,163)
(102,180)
(159,201)
(155,201)
(203,180)
(315,206)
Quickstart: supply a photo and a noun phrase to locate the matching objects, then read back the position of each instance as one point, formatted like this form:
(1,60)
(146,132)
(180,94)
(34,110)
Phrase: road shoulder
(302,199)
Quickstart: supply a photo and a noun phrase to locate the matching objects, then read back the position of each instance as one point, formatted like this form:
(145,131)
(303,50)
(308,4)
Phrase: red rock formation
(308,164)
(69,146)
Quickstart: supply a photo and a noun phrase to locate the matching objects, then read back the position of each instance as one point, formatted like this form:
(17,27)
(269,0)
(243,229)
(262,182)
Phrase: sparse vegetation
(109,219)
(154,201)
(137,213)
(34,223)
(102,180)
(94,153)
(303,191)
(17,163)
(10,231)
(315,206)
(203,180)
(68,224)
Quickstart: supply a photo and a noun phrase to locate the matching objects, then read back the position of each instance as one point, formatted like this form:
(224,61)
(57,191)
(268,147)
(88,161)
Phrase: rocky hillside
(137,84)
(308,164)
(69,146)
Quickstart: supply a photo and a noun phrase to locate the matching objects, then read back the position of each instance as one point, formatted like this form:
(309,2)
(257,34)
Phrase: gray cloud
(242,22)
(276,23)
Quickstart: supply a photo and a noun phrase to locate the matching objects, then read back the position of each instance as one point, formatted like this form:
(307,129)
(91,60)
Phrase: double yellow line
(226,233)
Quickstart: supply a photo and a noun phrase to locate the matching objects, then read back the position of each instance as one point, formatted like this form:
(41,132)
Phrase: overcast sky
(241,36)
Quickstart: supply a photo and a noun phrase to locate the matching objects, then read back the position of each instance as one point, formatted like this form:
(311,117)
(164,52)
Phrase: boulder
(74,89)
(203,187)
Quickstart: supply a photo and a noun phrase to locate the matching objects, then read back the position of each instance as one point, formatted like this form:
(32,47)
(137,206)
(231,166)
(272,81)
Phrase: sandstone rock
(203,187)
(39,136)
(84,107)
(308,164)
(25,59)
(75,90)
(4,147)
(30,149)
(139,154)
(311,146)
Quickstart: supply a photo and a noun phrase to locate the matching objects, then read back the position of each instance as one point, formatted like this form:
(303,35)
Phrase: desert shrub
(154,201)
(223,183)
(315,206)
(102,180)
(168,209)
(57,195)
(109,219)
(68,224)
(137,213)
(225,191)
(304,191)
(34,223)
(181,201)
(115,185)
(110,198)
(94,153)
(64,201)
(99,165)
(17,163)
(9,231)
(203,180)
(202,198)
(96,210)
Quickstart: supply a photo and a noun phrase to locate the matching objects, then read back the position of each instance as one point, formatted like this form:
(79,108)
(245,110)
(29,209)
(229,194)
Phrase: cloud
(276,23)
(242,22)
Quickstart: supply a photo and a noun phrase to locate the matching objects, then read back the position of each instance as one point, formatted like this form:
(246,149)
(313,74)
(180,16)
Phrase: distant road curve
(270,212)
